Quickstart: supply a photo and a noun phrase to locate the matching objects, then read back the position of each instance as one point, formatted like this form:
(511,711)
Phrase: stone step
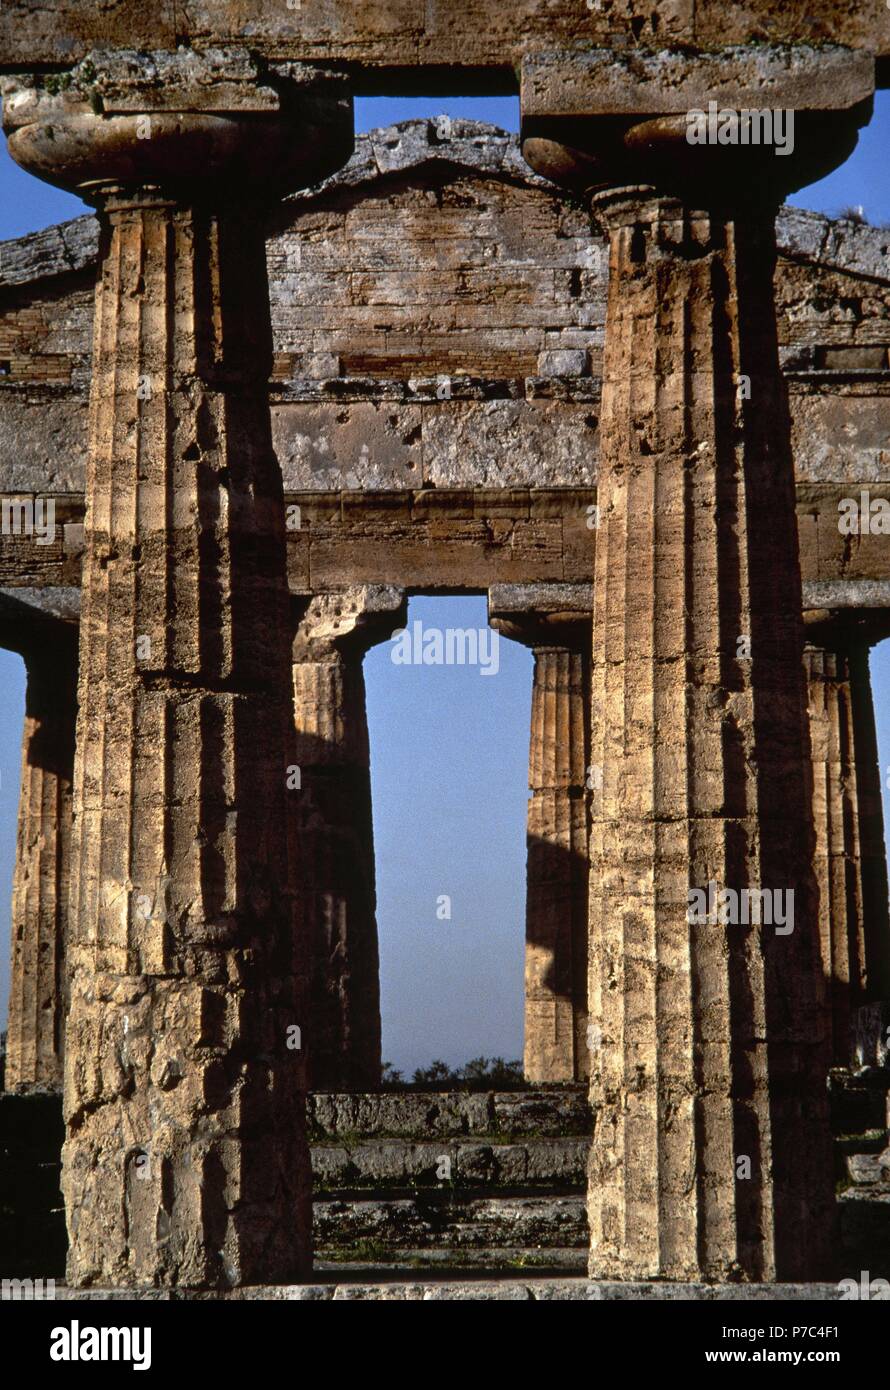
(869,1169)
(444,1260)
(433,1287)
(554,1112)
(379,1229)
(873,1142)
(386,1163)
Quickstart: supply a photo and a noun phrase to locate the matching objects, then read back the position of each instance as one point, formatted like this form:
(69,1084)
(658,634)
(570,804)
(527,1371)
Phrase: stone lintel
(603,82)
(428,45)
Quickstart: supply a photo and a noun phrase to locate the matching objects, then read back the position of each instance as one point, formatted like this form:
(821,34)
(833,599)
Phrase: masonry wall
(438,314)
(455,272)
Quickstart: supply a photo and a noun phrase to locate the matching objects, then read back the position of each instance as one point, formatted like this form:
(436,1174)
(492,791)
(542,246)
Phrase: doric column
(185,1160)
(554,620)
(711,1153)
(332,805)
(851,862)
(713,1034)
(37,993)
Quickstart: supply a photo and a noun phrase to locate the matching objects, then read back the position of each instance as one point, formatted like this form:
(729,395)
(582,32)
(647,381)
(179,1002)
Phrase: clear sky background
(449,746)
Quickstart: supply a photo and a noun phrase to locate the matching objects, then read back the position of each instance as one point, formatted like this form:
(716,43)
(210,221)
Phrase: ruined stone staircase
(511,1195)
(493,1181)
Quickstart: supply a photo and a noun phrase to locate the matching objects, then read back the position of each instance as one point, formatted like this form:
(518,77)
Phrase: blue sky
(449,747)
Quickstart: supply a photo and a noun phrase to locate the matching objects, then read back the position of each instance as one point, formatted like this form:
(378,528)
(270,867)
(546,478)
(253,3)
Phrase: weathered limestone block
(449,1114)
(843,443)
(554,620)
(38,992)
(607,82)
(185,1160)
(368,445)
(332,810)
(403,1226)
(43,442)
(391,1163)
(510,444)
(850,862)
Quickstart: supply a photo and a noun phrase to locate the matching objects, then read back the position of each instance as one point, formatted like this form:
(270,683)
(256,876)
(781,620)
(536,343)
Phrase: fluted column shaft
(37,995)
(872,844)
(335,836)
(851,865)
(185,1161)
(710,1156)
(185,1158)
(557,874)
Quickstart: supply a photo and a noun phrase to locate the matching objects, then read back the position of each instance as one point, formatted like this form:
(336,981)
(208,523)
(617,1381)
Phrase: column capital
(181,125)
(330,625)
(752,123)
(543,615)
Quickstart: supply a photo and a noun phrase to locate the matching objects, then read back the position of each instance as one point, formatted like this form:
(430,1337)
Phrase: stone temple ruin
(286,379)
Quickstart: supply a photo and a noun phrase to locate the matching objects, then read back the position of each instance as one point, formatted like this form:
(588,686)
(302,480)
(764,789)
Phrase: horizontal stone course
(484,38)
(476,1261)
(521,1290)
(385,1163)
(421,297)
(442,1220)
(557,1112)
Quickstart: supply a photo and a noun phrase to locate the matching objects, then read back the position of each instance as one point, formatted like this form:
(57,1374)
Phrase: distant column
(850,862)
(556,623)
(37,996)
(335,830)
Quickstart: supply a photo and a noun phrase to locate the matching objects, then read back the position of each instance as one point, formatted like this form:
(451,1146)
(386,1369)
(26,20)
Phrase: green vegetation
(480,1074)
